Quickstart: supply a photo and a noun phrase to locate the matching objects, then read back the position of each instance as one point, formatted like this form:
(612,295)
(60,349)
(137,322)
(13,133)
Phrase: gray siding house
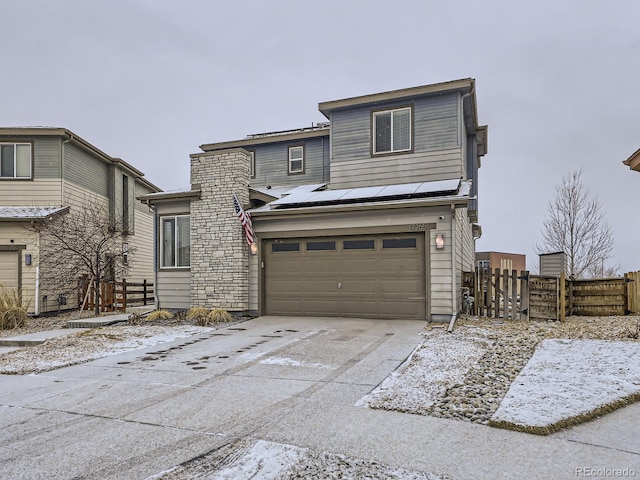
(372,214)
(48,171)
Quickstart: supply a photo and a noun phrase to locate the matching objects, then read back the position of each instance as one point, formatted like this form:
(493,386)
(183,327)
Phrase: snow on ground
(568,381)
(90,345)
(289,362)
(263,460)
(433,367)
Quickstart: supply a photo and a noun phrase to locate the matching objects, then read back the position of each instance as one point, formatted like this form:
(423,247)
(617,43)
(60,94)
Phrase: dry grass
(216,315)
(196,313)
(13,314)
(160,315)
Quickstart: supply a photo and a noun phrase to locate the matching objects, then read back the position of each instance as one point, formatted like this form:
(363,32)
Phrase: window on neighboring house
(252,164)
(392,130)
(175,241)
(296,159)
(15,160)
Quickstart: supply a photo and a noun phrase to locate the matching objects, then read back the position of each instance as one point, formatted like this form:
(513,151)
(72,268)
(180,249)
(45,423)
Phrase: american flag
(245,219)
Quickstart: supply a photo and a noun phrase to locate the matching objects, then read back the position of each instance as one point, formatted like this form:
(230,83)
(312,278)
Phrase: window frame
(392,151)
(301,159)
(175,243)
(15,160)
(252,163)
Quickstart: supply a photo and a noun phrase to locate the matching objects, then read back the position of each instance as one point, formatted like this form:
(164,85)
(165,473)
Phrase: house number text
(418,227)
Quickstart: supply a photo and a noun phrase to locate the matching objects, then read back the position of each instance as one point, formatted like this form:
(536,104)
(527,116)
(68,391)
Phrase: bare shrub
(13,313)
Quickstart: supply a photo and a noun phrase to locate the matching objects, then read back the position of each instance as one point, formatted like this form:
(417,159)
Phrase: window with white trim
(15,160)
(392,130)
(252,164)
(175,241)
(296,159)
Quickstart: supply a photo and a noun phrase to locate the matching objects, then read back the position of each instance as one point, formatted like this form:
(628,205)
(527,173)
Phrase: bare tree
(87,241)
(575,225)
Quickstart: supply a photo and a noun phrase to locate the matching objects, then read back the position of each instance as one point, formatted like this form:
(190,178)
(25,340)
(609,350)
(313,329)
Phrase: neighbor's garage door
(9,270)
(373,276)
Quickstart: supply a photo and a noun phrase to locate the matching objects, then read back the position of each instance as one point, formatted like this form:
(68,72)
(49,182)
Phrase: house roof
(436,192)
(319,130)
(22,132)
(11,214)
(465,84)
(633,162)
(180,194)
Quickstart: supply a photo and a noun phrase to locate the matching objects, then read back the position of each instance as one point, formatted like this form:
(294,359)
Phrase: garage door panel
(9,270)
(373,283)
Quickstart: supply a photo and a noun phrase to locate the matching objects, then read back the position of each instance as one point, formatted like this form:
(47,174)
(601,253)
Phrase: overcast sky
(151,80)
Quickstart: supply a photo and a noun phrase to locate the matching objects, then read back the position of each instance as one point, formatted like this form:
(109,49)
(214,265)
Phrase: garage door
(9,270)
(372,276)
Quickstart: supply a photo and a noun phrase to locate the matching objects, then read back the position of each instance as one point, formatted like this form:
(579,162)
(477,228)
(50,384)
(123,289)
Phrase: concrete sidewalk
(293,381)
(8,344)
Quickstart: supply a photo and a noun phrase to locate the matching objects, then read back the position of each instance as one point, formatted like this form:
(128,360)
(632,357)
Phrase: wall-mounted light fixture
(27,259)
(125,253)
(439,241)
(254,248)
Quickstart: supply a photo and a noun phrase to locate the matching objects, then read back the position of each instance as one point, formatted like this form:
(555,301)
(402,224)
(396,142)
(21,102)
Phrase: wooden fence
(520,296)
(115,296)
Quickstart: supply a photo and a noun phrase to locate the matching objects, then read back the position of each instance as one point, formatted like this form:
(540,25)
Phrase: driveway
(292,381)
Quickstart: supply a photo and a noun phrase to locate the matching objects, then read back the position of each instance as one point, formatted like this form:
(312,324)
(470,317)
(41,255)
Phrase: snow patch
(568,379)
(290,363)
(439,362)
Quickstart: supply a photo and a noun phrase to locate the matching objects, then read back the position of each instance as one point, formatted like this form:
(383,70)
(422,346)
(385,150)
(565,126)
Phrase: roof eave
(448,200)
(247,142)
(462,84)
(153,198)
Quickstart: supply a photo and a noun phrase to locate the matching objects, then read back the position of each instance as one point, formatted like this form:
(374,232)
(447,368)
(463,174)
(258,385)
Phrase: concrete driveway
(287,380)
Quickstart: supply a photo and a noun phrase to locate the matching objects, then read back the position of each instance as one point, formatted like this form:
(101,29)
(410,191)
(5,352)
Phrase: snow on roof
(29,213)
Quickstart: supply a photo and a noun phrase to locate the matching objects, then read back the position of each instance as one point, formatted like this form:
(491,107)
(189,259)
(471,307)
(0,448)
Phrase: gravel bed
(509,346)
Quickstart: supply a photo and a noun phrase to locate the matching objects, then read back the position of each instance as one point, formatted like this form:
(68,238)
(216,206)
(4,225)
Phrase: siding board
(85,170)
(272,162)
(395,169)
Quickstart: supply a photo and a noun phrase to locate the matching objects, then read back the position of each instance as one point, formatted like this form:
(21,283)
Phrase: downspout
(156,255)
(454,303)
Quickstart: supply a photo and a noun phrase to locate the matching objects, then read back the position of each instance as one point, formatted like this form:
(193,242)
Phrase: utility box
(553,264)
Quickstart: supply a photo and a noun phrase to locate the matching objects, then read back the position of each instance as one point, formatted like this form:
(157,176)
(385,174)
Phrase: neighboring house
(46,171)
(501,260)
(633,162)
(372,214)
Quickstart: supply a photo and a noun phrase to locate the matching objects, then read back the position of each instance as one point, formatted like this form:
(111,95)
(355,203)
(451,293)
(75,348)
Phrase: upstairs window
(392,130)
(296,159)
(175,241)
(252,164)
(15,160)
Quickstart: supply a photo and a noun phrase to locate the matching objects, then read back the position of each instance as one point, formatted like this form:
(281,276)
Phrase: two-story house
(47,171)
(372,214)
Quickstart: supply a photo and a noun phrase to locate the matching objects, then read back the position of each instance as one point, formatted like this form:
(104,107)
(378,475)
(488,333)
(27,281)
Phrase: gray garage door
(372,276)
(9,270)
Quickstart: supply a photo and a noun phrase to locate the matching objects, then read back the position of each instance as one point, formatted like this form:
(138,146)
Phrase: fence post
(496,294)
(524,294)
(144,292)
(505,294)
(124,294)
(562,292)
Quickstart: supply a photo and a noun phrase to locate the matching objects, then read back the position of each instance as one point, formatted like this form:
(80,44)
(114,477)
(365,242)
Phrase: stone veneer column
(219,251)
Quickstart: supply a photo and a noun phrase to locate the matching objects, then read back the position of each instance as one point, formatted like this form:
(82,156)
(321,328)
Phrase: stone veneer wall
(219,251)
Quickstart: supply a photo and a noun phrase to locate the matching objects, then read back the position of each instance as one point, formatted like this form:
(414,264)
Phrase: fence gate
(546,297)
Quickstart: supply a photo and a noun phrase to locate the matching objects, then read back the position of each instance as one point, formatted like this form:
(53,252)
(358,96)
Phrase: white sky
(151,80)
